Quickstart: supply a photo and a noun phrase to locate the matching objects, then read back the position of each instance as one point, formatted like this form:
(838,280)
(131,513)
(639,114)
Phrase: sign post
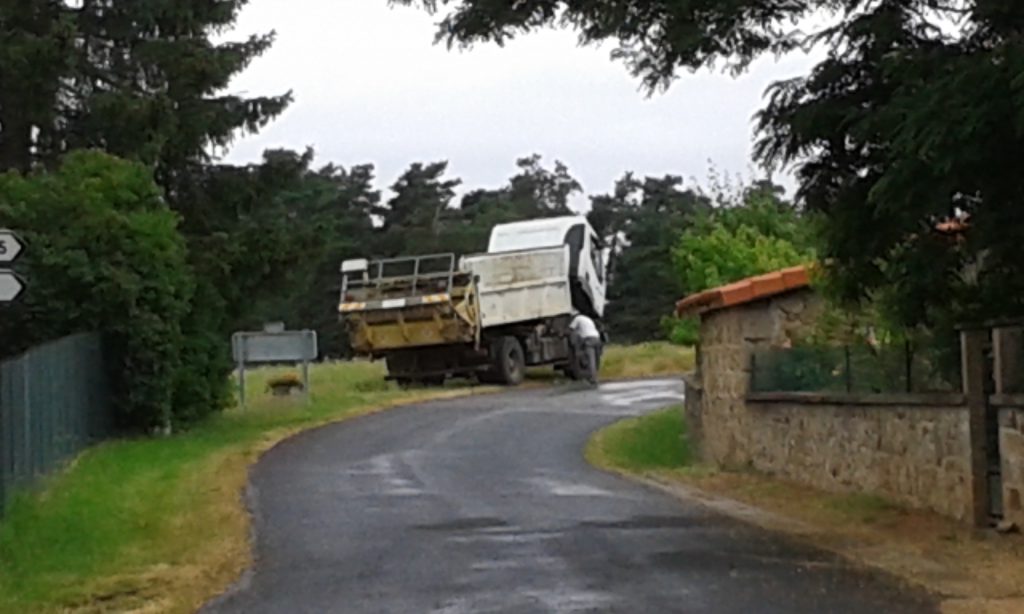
(11,285)
(274,347)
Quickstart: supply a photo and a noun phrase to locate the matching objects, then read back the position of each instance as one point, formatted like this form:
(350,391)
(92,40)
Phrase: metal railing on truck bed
(409,277)
(399,303)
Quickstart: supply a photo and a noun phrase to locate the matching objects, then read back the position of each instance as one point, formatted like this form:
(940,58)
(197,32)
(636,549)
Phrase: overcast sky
(370,86)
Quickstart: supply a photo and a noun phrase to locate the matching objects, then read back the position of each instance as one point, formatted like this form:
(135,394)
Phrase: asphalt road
(486,505)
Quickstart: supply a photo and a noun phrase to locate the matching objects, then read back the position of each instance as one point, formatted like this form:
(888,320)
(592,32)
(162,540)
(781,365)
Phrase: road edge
(247,496)
(862,555)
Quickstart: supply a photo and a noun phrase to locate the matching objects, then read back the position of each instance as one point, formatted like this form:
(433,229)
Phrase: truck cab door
(597,277)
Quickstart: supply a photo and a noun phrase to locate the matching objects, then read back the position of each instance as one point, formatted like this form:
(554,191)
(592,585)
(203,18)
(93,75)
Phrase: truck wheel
(509,361)
(575,368)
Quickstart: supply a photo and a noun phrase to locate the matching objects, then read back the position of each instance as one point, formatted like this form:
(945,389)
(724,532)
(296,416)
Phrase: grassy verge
(653,359)
(974,572)
(654,441)
(645,360)
(157,524)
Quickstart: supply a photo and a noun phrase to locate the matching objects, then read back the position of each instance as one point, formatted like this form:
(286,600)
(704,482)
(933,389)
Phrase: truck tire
(509,362)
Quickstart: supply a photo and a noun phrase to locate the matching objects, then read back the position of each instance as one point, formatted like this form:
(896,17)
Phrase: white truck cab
(588,258)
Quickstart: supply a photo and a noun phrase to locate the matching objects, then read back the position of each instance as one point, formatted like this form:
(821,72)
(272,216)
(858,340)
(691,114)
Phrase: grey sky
(371,86)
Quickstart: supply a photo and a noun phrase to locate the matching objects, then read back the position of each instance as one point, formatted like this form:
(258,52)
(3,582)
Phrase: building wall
(911,449)
(916,454)
(727,339)
(1011,448)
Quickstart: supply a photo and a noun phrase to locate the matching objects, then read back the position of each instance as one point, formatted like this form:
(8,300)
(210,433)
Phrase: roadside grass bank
(976,572)
(646,360)
(623,362)
(654,441)
(158,525)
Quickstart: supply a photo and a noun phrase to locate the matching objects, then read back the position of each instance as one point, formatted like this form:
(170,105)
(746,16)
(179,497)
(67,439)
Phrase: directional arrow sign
(10,246)
(11,286)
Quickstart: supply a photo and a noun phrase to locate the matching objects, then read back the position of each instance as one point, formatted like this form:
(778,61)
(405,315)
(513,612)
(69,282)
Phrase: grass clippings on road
(974,572)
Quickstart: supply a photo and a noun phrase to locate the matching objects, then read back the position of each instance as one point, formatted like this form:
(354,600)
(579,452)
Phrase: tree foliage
(269,238)
(413,215)
(655,38)
(105,255)
(756,233)
(913,116)
(930,128)
(641,221)
(533,192)
(142,80)
(145,80)
(759,234)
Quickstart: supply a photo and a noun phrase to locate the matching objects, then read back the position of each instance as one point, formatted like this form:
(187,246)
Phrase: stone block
(1011,445)
(1008,418)
(791,304)
(1013,501)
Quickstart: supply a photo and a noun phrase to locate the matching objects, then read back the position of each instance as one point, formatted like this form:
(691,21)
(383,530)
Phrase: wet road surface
(485,504)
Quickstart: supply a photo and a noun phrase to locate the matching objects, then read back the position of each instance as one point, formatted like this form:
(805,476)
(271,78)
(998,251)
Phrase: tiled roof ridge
(745,291)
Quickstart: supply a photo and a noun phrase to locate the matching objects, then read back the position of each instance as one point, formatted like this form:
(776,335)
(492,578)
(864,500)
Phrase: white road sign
(11,286)
(10,246)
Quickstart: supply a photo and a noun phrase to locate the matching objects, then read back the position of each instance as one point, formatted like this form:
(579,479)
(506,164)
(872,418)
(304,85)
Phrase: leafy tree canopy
(641,221)
(756,233)
(141,79)
(913,116)
(533,192)
(105,255)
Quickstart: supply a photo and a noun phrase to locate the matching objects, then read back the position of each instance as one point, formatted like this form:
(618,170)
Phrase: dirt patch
(983,606)
(975,571)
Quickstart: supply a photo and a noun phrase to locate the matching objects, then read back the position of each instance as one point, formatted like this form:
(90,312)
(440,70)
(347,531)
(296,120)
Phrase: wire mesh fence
(1011,363)
(902,368)
(54,402)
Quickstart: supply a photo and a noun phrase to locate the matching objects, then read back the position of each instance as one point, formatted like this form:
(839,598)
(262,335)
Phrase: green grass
(158,522)
(646,359)
(859,507)
(654,441)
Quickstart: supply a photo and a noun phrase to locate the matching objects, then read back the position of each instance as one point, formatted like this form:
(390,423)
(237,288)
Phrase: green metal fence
(855,369)
(54,402)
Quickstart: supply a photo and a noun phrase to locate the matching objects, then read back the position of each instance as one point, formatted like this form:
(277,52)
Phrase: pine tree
(141,79)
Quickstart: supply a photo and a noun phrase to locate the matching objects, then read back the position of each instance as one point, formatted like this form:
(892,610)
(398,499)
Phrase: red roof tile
(745,291)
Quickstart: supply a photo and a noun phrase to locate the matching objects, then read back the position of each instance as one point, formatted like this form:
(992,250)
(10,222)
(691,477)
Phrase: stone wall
(909,448)
(915,451)
(727,339)
(1011,448)
(692,410)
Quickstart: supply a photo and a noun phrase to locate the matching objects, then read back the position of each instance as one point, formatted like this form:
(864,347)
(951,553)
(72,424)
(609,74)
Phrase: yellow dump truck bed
(409,302)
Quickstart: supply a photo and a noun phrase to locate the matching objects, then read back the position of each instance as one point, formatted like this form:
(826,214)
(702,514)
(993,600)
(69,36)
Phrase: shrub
(105,254)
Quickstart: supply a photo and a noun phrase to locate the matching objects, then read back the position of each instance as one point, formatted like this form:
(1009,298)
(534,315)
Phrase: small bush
(104,253)
(682,331)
